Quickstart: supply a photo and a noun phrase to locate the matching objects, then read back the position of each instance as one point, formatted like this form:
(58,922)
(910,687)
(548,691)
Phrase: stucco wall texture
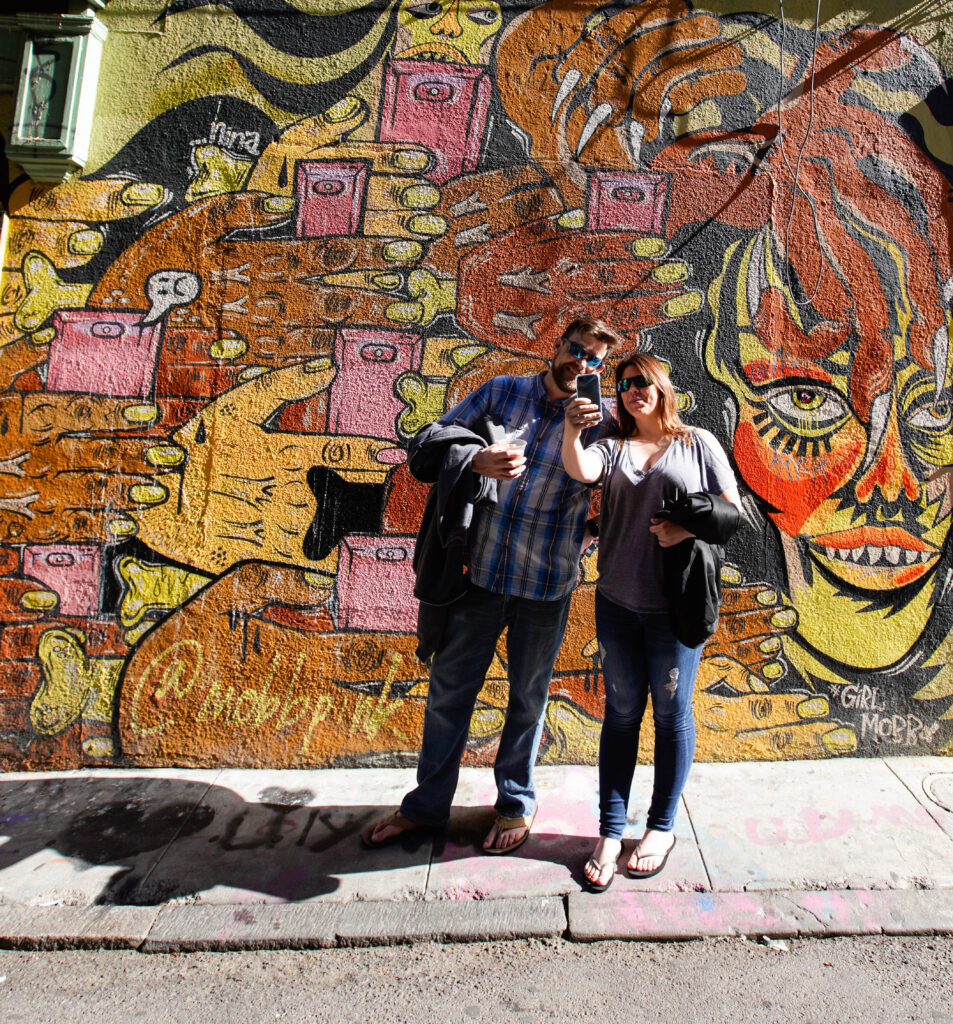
(307,229)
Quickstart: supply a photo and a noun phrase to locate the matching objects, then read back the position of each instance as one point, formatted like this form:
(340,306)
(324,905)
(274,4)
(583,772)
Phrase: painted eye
(425,10)
(483,15)
(807,411)
(931,417)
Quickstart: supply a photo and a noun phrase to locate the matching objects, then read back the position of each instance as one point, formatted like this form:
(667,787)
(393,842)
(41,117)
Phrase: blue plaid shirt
(527,543)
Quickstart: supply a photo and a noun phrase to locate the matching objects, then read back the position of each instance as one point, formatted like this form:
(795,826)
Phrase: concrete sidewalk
(227,859)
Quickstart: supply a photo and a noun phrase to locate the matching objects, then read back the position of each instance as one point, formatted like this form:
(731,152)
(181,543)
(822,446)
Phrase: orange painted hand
(59,229)
(246,490)
(737,713)
(74,467)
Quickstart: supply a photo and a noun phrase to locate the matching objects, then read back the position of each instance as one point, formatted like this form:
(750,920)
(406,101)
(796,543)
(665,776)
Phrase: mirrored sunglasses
(633,382)
(578,352)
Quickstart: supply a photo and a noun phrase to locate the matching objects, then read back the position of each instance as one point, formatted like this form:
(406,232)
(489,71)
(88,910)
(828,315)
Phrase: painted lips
(887,547)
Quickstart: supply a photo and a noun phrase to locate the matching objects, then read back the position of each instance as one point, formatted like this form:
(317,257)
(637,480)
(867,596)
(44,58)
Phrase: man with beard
(522,557)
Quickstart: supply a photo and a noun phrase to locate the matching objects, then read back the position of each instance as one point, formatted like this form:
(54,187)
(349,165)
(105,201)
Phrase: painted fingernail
(729,574)
(410,160)
(649,248)
(140,413)
(141,193)
(165,455)
(766,597)
(344,110)
(392,456)
(773,670)
(420,197)
(251,372)
(387,282)
(405,312)
(683,305)
(815,707)
(428,224)
(670,273)
(43,337)
(85,243)
(319,579)
(403,251)
(839,741)
(784,619)
(39,600)
(317,365)
(147,494)
(121,527)
(227,348)
(278,204)
(572,219)
(769,646)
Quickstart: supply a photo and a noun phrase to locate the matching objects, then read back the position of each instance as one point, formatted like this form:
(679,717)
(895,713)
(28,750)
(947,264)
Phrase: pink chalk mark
(442,106)
(103,353)
(71,570)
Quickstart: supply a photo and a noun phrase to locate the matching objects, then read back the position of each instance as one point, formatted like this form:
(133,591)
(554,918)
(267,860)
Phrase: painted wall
(306,230)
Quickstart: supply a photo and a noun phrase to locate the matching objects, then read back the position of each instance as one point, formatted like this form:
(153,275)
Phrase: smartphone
(588,386)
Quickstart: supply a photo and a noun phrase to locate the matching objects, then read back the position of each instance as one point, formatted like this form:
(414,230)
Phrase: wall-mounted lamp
(56,91)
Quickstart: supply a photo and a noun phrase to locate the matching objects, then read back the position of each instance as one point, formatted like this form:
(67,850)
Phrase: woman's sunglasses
(578,352)
(633,382)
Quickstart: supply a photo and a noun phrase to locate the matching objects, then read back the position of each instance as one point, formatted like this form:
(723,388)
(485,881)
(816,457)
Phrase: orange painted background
(306,231)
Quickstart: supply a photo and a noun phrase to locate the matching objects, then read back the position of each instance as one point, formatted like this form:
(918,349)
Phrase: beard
(565,378)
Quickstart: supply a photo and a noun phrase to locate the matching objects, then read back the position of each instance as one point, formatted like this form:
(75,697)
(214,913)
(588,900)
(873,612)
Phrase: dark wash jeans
(641,655)
(457,673)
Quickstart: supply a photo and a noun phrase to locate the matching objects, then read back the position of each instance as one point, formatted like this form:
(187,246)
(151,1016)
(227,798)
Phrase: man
(522,561)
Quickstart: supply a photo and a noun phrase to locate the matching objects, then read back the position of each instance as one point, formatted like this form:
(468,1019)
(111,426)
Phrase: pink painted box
(442,106)
(363,397)
(375,584)
(330,196)
(627,201)
(103,353)
(71,570)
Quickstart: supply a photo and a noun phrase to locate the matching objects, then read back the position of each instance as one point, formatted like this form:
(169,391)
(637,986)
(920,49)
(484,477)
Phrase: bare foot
(650,851)
(601,865)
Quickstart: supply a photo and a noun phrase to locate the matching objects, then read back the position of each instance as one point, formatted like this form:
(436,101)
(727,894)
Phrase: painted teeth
(890,554)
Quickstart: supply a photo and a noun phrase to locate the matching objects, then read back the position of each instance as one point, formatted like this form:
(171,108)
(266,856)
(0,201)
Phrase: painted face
(840,425)
(457,31)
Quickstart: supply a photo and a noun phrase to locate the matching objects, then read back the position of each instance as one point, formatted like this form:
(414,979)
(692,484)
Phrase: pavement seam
(698,846)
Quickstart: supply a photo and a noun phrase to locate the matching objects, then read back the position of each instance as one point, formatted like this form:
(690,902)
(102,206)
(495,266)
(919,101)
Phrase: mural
(307,233)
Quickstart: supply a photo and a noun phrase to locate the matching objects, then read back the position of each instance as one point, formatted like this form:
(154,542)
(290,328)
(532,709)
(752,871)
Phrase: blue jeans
(641,655)
(457,673)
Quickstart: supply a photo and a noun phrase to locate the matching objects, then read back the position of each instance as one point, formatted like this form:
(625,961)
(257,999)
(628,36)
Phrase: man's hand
(499,461)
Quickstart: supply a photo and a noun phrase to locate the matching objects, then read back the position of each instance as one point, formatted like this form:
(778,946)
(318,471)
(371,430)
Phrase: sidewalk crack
(701,853)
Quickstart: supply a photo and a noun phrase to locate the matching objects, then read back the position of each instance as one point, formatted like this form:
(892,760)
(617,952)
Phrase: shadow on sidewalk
(166,839)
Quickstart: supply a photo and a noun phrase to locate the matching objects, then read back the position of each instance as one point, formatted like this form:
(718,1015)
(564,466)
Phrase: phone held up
(588,386)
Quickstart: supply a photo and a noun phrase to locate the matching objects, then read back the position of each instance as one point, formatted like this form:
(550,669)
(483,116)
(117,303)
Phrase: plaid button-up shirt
(527,543)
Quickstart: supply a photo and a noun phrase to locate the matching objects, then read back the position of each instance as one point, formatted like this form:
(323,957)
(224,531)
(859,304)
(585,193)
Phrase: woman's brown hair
(654,370)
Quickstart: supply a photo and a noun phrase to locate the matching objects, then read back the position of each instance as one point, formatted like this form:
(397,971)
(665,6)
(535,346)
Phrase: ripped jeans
(640,655)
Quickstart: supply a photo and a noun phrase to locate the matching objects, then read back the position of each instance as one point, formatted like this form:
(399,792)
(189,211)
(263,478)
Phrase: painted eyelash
(786,443)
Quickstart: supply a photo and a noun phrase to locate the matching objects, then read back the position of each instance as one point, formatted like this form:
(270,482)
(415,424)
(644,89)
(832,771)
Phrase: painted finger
(65,243)
(399,192)
(803,740)
(124,456)
(100,200)
(52,415)
(45,293)
(354,458)
(393,224)
(25,599)
(256,400)
(383,157)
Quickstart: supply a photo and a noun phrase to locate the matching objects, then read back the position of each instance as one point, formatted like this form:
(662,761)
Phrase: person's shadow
(144,840)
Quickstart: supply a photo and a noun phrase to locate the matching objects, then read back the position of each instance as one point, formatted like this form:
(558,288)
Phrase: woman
(655,458)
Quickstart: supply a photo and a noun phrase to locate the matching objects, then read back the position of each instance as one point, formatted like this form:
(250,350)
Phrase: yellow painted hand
(244,493)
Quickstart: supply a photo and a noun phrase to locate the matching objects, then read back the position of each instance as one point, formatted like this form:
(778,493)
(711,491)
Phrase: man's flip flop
(397,820)
(635,873)
(504,824)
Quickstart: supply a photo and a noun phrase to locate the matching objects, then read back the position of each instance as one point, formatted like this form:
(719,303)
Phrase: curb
(578,917)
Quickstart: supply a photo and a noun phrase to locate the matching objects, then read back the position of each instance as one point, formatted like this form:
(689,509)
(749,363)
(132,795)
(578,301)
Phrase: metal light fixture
(56,92)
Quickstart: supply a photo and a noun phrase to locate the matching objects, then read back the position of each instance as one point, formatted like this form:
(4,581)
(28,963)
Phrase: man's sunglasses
(578,352)
(633,382)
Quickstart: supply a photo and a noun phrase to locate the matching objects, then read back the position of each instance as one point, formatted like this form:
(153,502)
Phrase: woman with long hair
(655,459)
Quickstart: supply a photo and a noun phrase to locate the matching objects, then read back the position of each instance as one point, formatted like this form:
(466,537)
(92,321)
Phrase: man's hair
(584,325)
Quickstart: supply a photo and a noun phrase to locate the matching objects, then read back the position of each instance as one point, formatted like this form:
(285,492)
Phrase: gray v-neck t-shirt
(630,558)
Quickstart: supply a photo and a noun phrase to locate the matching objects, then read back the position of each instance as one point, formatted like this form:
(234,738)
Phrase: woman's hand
(581,413)
(668,533)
